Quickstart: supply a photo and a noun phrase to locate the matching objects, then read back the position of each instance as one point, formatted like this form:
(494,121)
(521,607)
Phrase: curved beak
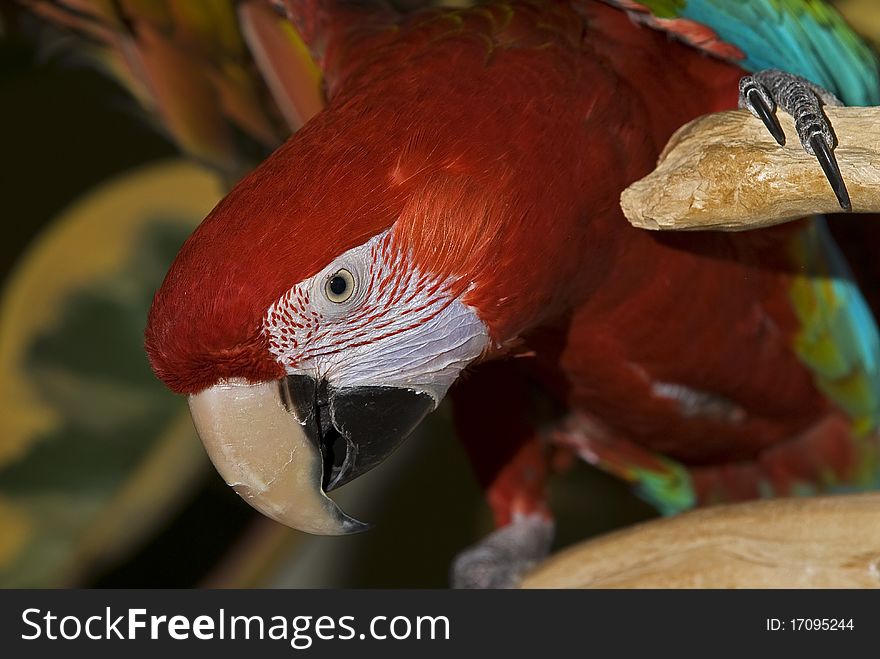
(282,445)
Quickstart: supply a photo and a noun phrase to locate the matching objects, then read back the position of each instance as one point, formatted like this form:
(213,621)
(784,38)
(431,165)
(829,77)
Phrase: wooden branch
(724,171)
(828,542)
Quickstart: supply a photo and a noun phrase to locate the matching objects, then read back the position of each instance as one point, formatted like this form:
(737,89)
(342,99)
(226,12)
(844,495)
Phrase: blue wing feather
(806,37)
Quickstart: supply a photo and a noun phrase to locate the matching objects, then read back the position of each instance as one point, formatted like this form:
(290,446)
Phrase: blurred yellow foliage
(863,16)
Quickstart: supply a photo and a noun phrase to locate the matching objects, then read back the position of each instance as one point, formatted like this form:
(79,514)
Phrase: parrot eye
(340,286)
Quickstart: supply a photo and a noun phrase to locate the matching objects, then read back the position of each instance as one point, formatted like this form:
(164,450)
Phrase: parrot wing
(838,339)
(227,81)
(806,37)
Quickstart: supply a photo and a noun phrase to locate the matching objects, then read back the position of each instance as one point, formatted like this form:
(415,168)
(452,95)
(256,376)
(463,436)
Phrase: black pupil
(338,285)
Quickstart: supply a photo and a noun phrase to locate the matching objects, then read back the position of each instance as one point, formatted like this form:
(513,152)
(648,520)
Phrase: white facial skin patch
(370,318)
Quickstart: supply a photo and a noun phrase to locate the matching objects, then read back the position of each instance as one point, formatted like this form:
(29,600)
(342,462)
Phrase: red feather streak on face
(498,150)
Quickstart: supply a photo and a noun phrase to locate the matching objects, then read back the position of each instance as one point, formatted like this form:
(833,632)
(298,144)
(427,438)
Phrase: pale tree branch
(822,542)
(724,171)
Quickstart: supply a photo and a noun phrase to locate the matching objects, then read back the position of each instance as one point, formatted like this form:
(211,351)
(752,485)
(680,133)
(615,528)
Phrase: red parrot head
(309,329)
(329,301)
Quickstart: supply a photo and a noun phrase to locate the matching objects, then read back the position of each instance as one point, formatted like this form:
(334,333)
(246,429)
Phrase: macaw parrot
(449,225)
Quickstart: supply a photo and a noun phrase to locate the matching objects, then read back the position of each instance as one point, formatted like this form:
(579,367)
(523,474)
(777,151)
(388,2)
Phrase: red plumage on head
(306,204)
(470,142)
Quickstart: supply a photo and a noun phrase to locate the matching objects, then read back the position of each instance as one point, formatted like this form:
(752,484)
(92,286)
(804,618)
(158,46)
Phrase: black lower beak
(354,428)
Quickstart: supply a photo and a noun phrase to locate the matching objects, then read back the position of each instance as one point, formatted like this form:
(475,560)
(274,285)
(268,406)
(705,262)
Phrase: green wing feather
(838,339)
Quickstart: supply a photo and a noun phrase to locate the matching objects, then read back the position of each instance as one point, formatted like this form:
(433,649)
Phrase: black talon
(764,91)
(767,116)
(829,165)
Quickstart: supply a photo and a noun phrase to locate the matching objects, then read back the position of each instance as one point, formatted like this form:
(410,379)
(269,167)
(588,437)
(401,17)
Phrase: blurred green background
(102,480)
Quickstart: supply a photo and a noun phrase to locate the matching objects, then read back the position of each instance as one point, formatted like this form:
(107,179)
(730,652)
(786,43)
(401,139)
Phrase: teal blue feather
(806,37)
(778,35)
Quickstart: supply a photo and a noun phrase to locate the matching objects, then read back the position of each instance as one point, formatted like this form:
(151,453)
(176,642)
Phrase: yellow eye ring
(340,286)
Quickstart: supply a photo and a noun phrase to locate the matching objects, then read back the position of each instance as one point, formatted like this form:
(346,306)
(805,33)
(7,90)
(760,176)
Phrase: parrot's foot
(501,558)
(761,92)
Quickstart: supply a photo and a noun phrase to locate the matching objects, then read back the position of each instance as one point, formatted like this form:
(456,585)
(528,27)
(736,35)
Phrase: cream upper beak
(262,450)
